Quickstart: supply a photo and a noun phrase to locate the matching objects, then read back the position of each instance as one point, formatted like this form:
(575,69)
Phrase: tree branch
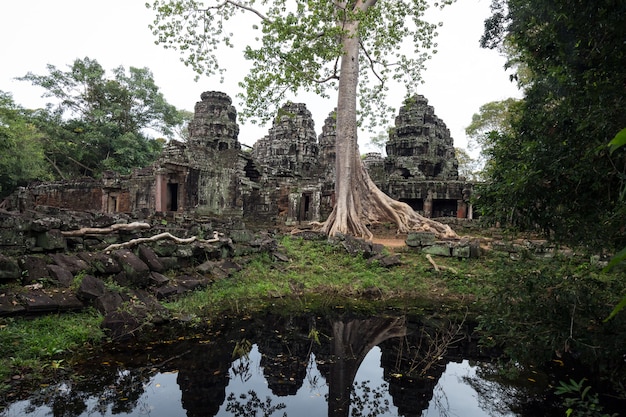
(239,6)
(371,61)
(56,168)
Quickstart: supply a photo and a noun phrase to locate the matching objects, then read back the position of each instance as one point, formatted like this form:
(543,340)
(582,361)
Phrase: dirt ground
(390,242)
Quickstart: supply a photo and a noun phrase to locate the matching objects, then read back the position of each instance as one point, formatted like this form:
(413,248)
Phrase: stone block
(461,251)
(70,262)
(241,236)
(157,279)
(417,239)
(10,305)
(38,302)
(61,275)
(9,269)
(166,291)
(136,271)
(151,259)
(90,288)
(108,302)
(101,263)
(439,249)
(34,268)
(183,251)
(51,240)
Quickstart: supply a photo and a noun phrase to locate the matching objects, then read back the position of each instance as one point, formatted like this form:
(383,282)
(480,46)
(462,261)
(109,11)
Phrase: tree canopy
(296,46)
(21,150)
(319,47)
(95,122)
(553,170)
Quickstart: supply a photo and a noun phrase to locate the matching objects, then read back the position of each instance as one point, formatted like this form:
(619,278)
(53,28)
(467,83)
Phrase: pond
(273,365)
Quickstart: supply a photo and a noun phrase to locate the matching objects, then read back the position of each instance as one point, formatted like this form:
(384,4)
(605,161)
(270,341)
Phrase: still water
(293,366)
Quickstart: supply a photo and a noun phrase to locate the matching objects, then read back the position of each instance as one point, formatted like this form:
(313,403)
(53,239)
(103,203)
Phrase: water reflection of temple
(286,345)
(206,365)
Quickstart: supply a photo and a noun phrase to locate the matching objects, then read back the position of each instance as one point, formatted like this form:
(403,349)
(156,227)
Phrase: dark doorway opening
(305,206)
(416,204)
(172,197)
(444,208)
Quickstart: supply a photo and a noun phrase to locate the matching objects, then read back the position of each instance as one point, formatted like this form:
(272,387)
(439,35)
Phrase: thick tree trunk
(358,201)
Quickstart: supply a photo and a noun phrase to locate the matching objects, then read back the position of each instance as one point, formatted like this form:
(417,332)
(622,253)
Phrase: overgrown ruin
(286,179)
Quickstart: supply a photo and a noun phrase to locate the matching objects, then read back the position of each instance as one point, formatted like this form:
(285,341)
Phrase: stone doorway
(172,197)
(304,213)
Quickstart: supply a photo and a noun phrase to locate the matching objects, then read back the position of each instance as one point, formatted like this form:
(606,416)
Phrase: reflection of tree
(414,364)
(351,341)
(285,352)
(498,397)
(115,389)
(368,401)
(252,405)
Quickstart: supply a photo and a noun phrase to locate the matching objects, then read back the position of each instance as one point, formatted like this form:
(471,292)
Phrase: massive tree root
(361,203)
(161,236)
(109,229)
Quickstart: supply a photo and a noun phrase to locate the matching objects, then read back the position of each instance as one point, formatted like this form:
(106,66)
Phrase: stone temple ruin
(287,178)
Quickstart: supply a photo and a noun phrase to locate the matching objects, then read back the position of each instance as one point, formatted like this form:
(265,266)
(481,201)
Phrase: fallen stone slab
(101,263)
(135,270)
(10,305)
(151,259)
(439,249)
(9,269)
(35,268)
(90,288)
(158,280)
(61,275)
(70,262)
(42,301)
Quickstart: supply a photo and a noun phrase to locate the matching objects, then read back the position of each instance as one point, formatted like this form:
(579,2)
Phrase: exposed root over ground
(361,203)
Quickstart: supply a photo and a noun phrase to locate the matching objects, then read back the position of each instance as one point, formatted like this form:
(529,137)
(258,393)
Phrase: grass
(29,345)
(319,271)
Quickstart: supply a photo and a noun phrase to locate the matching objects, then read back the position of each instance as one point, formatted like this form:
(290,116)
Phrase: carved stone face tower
(290,148)
(215,122)
(420,145)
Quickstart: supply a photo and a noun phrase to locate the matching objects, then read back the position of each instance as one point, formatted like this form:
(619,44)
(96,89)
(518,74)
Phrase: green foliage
(96,123)
(296,46)
(580,402)
(552,171)
(379,141)
(22,157)
(541,310)
(468,166)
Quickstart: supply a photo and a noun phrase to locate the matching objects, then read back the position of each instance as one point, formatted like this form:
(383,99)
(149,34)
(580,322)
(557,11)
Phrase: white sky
(459,79)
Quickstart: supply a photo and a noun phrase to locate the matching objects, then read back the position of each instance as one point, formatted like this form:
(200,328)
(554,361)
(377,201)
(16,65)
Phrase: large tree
(96,122)
(318,46)
(552,169)
(21,149)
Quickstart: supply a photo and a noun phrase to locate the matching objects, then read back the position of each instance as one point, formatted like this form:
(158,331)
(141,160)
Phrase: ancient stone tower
(290,147)
(420,168)
(420,145)
(215,122)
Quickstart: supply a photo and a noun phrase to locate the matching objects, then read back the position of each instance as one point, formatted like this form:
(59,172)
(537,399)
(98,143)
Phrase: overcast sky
(459,79)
